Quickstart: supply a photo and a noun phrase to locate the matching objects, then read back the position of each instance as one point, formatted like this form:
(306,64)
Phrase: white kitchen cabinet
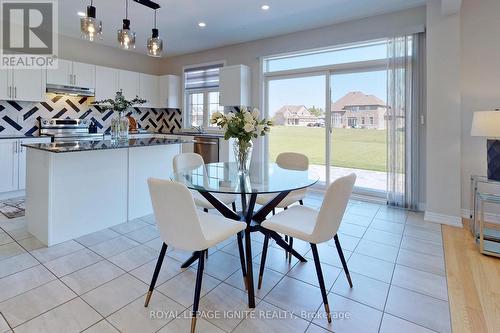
(9,165)
(128,82)
(5,88)
(149,89)
(22,158)
(70,73)
(62,75)
(22,85)
(234,85)
(187,147)
(170,91)
(83,75)
(29,85)
(106,82)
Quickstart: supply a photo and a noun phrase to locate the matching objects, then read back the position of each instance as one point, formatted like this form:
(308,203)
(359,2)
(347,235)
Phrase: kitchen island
(76,188)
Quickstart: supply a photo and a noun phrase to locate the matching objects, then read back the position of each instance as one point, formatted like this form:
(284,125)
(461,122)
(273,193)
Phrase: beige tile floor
(97,283)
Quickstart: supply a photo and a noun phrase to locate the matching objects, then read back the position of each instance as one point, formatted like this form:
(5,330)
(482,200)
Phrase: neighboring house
(355,110)
(359,110)
(293,115)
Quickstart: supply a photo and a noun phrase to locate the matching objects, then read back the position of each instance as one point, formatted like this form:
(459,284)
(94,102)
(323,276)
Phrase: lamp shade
(486,124)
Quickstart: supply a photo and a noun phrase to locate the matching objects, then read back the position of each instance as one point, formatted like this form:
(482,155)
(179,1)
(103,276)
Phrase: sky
(311,91)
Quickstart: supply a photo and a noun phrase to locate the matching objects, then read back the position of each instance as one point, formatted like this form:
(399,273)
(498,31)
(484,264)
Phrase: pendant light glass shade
(91,27)
(155,43)
(126,37)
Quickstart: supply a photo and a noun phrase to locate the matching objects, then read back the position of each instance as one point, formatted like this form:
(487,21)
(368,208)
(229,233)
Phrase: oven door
(77,138)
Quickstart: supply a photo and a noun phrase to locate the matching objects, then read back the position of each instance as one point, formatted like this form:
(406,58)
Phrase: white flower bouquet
(244,126)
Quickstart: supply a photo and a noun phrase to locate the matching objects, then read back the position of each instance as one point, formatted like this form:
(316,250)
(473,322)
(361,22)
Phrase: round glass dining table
(224,177)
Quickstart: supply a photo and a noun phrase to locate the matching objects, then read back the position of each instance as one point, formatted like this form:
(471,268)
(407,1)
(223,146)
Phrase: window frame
(186,121)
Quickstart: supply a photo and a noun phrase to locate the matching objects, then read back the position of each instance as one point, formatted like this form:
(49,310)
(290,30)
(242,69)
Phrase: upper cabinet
(129,82)
(149,89)
(170,91)
(234,85)
(22,85)
(106,82)
(70,73)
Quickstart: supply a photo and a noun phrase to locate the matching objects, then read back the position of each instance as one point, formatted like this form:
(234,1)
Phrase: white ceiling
(228,21)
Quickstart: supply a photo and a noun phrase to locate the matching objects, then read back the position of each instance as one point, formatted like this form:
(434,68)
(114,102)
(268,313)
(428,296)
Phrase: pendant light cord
(155,18)
(126,9)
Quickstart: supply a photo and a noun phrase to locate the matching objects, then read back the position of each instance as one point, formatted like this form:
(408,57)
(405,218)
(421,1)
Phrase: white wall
(480,80)
(444,128)
(249,53)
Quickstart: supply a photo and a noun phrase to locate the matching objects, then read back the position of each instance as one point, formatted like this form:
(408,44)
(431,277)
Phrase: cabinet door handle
(15,92)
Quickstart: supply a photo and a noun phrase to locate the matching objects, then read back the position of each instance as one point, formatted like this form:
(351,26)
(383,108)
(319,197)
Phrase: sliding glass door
(297,105)
(359,128)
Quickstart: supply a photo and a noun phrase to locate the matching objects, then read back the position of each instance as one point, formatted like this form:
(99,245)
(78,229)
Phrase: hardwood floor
(473,284)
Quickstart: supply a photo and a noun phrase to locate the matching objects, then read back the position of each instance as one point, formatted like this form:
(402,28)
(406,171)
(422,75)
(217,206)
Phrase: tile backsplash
(22,117)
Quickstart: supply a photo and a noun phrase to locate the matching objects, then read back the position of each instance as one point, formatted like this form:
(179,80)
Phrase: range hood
(70,90)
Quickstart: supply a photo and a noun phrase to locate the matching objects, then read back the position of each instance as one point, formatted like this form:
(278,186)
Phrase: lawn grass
(352,148)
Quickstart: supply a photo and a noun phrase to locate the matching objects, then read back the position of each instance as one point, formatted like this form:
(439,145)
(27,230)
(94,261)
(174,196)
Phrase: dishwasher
(208,148)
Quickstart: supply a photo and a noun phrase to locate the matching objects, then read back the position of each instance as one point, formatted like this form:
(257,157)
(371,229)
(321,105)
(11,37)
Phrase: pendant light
(155,43)
(89,25)
(126,37)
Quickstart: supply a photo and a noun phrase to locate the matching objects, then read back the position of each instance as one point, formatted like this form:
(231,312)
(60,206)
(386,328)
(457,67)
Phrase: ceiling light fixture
(202,24)
(126,37)
(89,25)
(265,7)
(155,43)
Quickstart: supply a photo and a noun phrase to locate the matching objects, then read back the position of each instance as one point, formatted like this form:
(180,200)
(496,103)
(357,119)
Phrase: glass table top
(224,178)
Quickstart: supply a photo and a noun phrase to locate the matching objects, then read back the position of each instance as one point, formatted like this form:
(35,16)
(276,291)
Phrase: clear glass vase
(119,127)
(243,155)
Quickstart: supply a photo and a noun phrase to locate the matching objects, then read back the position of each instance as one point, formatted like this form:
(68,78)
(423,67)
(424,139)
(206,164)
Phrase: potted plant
(119,123)
(244,126)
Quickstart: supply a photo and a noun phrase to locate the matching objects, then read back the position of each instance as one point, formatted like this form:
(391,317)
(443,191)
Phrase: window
(362,120)
(371,121)
(352,121)
(374,50)
(201,86)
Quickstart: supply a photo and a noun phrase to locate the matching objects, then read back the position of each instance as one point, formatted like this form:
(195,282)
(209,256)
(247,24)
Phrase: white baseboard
(455,221)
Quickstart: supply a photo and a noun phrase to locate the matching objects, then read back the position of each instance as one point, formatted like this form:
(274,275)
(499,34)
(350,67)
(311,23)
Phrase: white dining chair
(184,227)
(292,161)
(314,227)
(190,161)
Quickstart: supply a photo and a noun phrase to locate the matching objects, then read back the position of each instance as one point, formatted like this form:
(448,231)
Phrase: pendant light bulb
(90,26)
(126,37)
(155,43)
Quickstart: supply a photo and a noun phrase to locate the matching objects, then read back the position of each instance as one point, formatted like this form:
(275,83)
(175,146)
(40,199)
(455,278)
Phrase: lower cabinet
(9,165)
(13,163)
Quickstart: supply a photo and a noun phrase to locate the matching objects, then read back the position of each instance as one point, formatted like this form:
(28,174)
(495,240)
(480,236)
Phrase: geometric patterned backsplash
(22,117)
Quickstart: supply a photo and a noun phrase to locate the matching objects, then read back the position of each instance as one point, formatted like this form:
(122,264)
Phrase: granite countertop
(205,135)
(76,146)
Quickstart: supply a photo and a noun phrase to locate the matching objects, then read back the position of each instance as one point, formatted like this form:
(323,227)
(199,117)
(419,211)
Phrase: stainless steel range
(64,130)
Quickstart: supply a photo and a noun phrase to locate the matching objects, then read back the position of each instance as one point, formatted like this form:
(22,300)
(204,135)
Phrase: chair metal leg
(274,211)
(342,259)
(205,210)
(239,236)
(321,281)
(156,273)
(301,202)
(291,245)
(197,289)
(286,252)
(206,254)
(263,260)
(234,206)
